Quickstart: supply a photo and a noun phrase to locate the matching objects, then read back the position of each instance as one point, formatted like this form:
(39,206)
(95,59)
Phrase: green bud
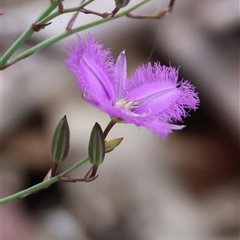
(96,147)
(60,142)
(112,144)
(121,3)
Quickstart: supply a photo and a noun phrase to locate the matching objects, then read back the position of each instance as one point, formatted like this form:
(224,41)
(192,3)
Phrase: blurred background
(184,188)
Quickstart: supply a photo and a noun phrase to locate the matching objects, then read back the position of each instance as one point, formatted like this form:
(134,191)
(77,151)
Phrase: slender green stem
(61,36)
(75,166)
(42,185)
(54,39)
(25,35)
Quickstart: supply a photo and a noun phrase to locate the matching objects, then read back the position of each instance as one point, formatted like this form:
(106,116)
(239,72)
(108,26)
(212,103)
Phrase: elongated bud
(60,142)
(96,147)
(121,3)
(112,144)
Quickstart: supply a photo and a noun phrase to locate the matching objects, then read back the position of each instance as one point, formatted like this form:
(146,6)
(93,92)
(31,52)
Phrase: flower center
(123,103)
(129,106)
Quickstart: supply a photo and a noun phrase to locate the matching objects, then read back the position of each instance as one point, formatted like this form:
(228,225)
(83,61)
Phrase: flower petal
(156,90)
(162,129)
(121,75)
(94,68)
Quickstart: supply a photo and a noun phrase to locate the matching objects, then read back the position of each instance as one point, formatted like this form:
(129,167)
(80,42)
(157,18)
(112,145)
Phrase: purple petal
(162,129)
(121,75)
(94,68)
(157,92)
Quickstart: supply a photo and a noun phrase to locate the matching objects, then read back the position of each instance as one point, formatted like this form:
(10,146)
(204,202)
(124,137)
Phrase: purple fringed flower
(151,97)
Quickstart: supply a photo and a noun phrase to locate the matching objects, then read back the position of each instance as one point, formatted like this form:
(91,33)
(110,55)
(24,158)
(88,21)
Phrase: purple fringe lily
(152,97)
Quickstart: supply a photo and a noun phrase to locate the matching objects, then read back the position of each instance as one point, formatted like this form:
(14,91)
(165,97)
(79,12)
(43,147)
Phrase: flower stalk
(25,35)
(108,128)
(89,176)
(43,184)
(44,18)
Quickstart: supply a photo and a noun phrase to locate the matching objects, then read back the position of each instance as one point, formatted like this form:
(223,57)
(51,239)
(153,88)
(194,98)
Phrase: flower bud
(96,147)
(121,3)
(60,142)
(112,144)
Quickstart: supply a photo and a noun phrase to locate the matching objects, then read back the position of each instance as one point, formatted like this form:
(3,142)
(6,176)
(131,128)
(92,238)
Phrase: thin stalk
(108,128)
(54,169)
(61,36)
(42,185)
(25,35)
